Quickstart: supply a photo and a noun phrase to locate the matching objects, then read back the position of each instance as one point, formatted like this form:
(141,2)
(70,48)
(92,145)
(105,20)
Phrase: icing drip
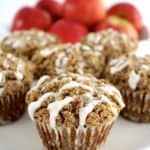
(6,64)
(91,102)
(19,75)
(133,80)
(74,84)
(145,67)
(47,51)
(61,63)
(114,92)
(55,107)
(118,64)
(11,57)
(2,79)
(20,67)
(17,43)
(37,104)
(81,78)
(85,111)
(40,82)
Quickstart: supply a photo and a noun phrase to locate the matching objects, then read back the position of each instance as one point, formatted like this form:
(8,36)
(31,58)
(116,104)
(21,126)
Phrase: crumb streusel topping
(25,43)
(72,100)
(112,43)
(64,58)
(14,73)
(130,72)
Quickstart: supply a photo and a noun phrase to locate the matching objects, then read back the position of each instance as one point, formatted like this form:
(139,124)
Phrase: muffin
(15,80)
(132,76)
(73,111)
(64,58)
(112,43)
(26,43)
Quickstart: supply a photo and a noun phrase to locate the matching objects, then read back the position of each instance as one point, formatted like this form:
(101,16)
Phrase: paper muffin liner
(137,106)
(12,106)
(91,138)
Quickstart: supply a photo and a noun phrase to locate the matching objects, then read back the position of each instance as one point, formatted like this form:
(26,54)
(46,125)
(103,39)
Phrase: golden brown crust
(69,58)
(25,43)
(139,66)
(112,43)
(14,74)
(69,115)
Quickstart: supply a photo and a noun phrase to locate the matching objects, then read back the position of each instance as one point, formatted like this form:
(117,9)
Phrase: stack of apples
(71,20)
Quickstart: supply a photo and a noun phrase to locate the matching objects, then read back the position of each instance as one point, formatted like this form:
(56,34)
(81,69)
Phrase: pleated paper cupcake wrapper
(12,106)
(73,138)
(137,106)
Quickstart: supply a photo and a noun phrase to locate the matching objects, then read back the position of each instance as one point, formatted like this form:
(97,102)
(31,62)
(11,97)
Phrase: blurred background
(8,8)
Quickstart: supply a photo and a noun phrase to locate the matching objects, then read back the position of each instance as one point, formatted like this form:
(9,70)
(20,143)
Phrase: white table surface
(22,134)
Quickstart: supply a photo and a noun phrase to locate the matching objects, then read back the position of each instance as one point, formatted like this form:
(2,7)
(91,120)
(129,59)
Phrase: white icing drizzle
(83,113)
(37,104)
(20,67)
(19,75)
(48,51)
(83,78)
(2,78)
(113,91)
(145,67)
(61,63)
(89,100)
(6,64)
(118,64)
(17,43)
(133,80)
(99,48)
(81,66)
(40,82)
(74,84)
(55,107)
(11,57)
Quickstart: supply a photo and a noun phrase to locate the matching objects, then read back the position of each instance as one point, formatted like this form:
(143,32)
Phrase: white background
(22,135)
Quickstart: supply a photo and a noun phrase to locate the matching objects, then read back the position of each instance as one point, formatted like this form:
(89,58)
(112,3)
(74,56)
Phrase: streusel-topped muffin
(64,58)
(112,43)
(15,80)
(73,111)
(132,76)
(26,43)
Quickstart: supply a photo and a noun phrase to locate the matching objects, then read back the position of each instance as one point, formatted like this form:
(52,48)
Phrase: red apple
(84,11)
(53,7)
(127,11)
(144,33)
(118,24)
(28,17)
(68,31)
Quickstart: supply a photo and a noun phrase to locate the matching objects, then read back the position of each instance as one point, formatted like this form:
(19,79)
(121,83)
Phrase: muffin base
(137,106)
(72,138)
(12,106)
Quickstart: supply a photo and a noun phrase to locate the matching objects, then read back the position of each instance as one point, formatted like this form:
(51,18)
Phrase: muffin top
(130,72)
(72,100)
(25,43)
(64,58)
(14,74)
(112,43)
